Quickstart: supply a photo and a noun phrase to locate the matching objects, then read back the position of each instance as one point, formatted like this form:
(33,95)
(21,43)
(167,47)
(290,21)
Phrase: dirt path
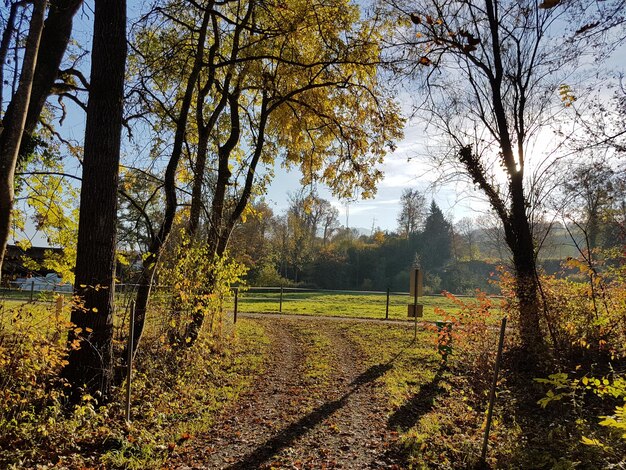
(291,421)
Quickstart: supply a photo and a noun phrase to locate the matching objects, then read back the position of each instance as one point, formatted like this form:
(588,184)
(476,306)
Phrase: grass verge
(176,395)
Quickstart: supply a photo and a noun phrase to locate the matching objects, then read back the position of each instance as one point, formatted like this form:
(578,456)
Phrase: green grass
(413,363)
(339,304)
(317,364)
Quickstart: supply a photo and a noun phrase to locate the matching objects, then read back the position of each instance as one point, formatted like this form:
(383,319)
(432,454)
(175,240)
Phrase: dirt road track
(289,421)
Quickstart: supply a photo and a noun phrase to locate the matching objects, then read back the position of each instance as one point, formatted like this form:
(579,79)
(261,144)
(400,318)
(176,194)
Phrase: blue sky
(405,168)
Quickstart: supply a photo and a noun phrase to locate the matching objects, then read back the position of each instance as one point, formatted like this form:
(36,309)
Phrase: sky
(405,168)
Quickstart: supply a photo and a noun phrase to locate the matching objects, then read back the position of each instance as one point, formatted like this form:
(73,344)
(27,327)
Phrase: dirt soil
(291,421)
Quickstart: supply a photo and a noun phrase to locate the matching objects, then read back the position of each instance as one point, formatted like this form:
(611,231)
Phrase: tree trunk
(142,298)
(52,44)
(526,287)
(171,203)
(13,124)
(90,367)
(55,37)
(198,183)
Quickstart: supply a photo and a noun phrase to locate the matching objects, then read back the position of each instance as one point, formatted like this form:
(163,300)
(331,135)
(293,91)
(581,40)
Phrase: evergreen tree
(436,249)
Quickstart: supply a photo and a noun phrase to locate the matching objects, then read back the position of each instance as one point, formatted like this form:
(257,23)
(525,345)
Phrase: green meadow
(338,304)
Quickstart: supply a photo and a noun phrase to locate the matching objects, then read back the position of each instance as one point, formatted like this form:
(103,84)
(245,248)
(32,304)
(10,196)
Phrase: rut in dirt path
(288,421)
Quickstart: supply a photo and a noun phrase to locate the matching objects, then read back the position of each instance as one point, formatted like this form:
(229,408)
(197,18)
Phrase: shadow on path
(405,417)
(294,431)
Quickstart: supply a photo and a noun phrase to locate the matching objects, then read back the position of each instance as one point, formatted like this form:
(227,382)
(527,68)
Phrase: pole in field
(59,307)
(280,305)
(58,311)
(492,393)
(416,289)
(387,306)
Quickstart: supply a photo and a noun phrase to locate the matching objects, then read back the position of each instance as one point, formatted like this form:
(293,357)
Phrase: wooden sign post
(416,289)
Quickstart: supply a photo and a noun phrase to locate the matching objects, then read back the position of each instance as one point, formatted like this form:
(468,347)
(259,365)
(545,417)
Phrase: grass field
(349,304)
(292,301)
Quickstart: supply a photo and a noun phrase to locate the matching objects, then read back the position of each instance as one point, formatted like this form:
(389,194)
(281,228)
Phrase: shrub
(177,392)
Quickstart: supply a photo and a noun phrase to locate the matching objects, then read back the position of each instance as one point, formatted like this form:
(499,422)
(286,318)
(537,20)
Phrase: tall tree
(436,246)
(590,190)
(14,121)
(258,94)
(55,37)
(89,367)
(466,229)
(412,212)
(491,71)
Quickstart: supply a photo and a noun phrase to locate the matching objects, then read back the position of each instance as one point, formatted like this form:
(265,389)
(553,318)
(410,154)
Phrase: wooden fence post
(492,394)
(236,302)
(280,305)
(387,306)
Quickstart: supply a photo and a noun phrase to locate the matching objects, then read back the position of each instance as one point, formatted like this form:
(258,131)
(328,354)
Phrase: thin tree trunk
(142,298)
(7,36)
(55,37)
(13,124)
(90,367)
(218,240)
(198,183)
(171,204)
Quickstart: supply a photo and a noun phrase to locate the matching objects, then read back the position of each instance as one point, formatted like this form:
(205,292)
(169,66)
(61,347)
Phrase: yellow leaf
(591,442)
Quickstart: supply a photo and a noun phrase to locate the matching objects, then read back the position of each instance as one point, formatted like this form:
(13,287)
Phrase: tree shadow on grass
(295,430)
(407,416)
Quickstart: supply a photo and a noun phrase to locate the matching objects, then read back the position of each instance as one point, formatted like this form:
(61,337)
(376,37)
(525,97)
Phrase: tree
(90,365)
(491,237)
(330,222)
(251,243)
(491,72)
(15,119)
(314,213)
(466,228)
(39,82)
(590,191)
(412,212)
(436,246)
(253,93)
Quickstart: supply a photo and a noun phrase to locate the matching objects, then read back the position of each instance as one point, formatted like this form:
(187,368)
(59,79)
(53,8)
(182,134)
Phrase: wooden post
(387,306)
(129,370)
(32,290)
(59,307)
(280,305)
(415,292)
(492,394)
(57,317)
(236,302)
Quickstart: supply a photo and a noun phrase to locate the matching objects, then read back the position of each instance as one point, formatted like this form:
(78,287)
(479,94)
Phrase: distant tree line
(307,246)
